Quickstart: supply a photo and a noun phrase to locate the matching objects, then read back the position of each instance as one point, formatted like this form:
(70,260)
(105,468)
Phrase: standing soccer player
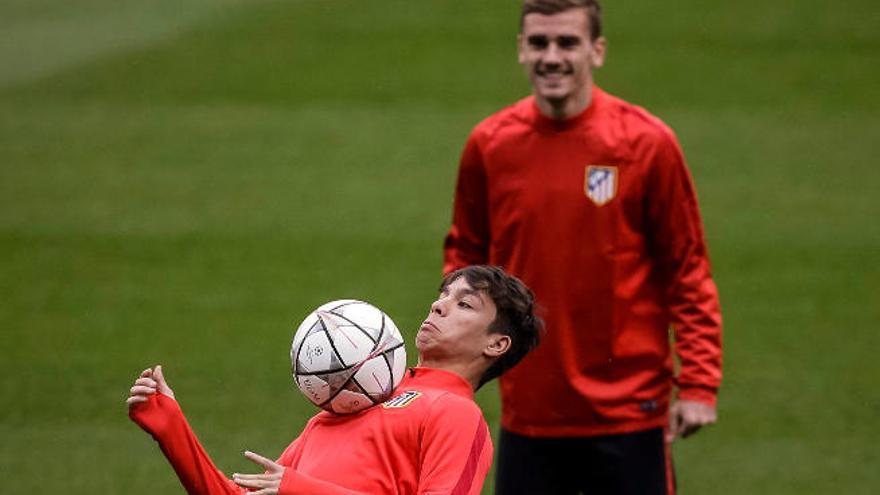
(429,438)
(587,199)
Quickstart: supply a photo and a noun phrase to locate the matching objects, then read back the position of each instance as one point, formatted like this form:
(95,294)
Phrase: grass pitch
(182,183)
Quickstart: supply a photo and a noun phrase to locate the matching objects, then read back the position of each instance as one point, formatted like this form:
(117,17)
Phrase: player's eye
(568,41)
(464,304)
(538,42)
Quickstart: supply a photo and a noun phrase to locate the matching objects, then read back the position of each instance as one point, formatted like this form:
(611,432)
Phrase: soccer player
(429,438)
(587,199)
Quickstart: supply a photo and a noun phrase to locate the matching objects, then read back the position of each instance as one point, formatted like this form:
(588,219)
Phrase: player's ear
(597,55)
(520,57)
(498,345)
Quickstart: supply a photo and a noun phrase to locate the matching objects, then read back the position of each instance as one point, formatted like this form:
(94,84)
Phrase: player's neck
(565,108)
(470,373)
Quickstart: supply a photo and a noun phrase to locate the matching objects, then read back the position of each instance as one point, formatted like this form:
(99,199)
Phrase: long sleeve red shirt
(430,438)
(598,215)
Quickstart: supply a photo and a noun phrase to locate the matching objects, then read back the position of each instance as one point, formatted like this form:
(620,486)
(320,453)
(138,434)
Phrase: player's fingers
(696,419)
(147,382)
(266,491)
(267,476)
(701,417)
(689,429)
(269,464)
(710,417)
(160,381)
(248,483)
(134,399)
(158,375)
(683,426)
(147,372)
(239,476)
(142,390)
(259,482)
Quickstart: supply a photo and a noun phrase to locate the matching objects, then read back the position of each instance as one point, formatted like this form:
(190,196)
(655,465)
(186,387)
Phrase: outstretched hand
(686,417)
(266,483)
(148,383)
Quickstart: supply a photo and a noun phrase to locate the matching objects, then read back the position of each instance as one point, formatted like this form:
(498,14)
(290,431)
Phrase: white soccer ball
(347,355)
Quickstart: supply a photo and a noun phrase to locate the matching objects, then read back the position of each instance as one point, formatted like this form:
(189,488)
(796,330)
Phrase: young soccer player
(430,437)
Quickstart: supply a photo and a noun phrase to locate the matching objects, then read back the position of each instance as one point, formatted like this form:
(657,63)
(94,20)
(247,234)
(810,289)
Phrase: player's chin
(425,341)
(552,93)
(554,90)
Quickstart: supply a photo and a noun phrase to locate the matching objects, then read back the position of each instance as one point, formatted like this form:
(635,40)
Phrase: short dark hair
(515,305)
(550,7)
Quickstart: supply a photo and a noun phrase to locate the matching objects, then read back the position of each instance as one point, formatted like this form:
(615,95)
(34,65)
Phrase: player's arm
(691,293)
(467,242)
(456,448)
(153,407)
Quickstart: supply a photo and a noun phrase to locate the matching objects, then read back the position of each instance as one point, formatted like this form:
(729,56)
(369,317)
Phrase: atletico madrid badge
(401,400)
(600,183)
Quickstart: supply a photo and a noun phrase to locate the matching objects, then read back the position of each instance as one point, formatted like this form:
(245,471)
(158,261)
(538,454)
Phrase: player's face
(457,327)
(559,56)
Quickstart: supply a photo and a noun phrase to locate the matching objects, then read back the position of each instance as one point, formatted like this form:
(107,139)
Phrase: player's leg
(630,464)
(533,466)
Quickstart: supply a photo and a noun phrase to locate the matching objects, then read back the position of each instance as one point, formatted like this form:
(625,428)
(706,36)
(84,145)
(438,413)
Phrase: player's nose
(438,307)
(552,55)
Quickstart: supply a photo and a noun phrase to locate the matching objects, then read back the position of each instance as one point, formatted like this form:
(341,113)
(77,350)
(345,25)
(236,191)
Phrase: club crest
(401,400)
(600,183)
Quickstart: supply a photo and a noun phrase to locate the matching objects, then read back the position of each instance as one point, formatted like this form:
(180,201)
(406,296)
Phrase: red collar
(439,378)
(544,122)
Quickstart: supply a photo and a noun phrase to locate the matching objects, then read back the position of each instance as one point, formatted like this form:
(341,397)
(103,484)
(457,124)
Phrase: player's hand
(686,417)
(150,382)
(266,483)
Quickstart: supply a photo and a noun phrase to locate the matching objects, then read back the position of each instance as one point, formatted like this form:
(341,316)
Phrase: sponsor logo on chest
(600,183)
(401,400)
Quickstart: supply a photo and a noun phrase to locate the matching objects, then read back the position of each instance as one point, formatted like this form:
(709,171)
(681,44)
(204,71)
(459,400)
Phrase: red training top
(428,439)
(598,215)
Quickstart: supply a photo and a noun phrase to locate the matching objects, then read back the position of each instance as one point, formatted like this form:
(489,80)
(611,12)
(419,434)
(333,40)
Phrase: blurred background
(182,182)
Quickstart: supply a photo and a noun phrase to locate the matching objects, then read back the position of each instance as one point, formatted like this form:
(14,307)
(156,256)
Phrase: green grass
(183,184)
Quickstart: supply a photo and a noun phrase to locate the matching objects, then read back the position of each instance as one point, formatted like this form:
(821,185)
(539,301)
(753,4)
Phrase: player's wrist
(157,416)
(288,482)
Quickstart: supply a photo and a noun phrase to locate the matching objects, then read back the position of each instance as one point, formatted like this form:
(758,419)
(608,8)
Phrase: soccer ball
(347,355)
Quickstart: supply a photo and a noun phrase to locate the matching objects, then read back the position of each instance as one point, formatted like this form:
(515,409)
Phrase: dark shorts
(626,464)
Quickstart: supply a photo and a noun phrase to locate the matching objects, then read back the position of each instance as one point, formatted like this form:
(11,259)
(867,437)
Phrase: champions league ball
(347,355)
